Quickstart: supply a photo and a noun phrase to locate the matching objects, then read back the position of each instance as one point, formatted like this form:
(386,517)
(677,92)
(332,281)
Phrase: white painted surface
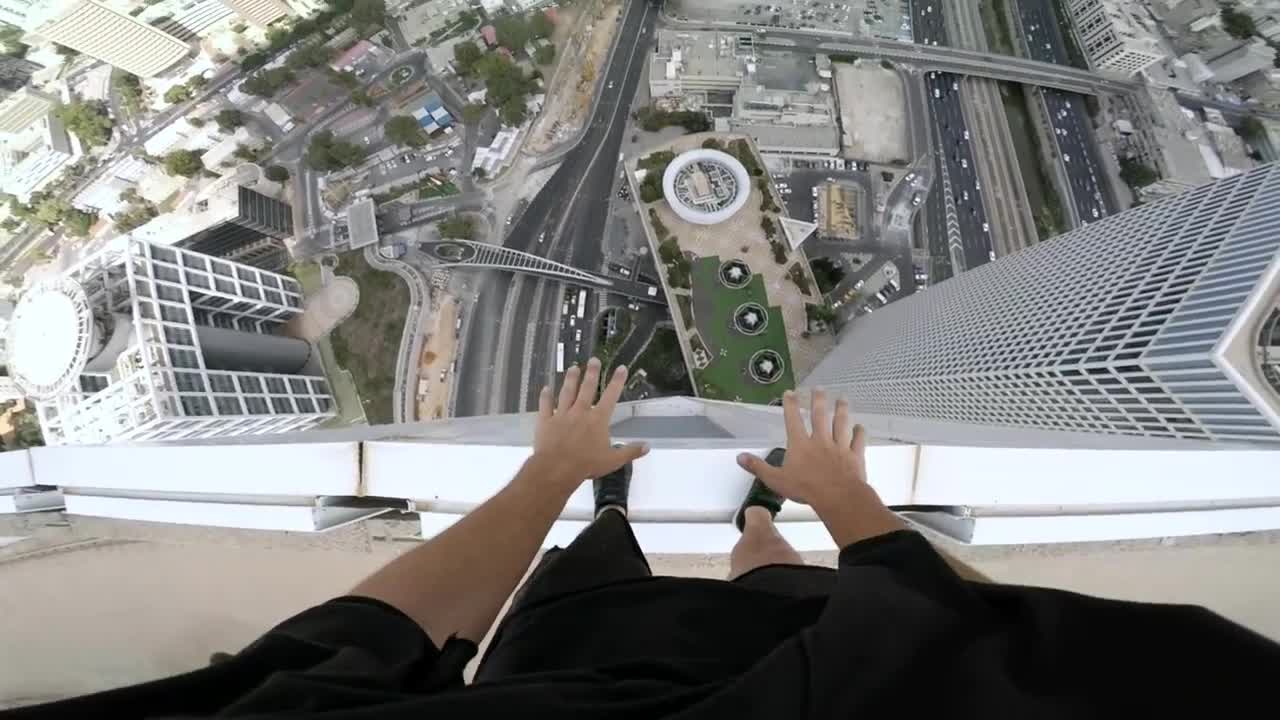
(298,518)
(665,537)
(20,502)
(672,484)
(15,469)
(1007,476)
(1120,526)
(302,469)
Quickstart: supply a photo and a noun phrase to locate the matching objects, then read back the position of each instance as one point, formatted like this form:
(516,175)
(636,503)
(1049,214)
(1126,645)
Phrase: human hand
(571,438)
(827,470)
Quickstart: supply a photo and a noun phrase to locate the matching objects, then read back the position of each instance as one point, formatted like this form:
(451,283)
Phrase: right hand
(826,469)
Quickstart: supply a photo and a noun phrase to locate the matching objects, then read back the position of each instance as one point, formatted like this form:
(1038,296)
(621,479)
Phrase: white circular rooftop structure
(50,337)
(706,186)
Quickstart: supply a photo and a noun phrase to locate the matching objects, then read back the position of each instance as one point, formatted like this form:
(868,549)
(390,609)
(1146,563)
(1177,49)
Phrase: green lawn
(727,375)
(368,342)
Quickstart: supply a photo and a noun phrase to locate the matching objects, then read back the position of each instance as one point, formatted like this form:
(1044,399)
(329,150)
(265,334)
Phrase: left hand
(571,439)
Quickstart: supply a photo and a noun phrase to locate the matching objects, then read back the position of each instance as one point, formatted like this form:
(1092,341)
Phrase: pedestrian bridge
(466,253)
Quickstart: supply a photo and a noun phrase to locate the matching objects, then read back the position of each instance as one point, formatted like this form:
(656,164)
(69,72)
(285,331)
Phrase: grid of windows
(1111,328)
(160,387)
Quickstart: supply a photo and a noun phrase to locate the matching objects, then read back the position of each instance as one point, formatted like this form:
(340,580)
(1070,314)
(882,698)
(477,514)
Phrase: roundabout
(450,252)
(402,74)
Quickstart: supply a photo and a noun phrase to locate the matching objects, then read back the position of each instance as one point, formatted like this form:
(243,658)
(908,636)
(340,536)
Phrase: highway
(1072,126)
(956,212)
(511,337)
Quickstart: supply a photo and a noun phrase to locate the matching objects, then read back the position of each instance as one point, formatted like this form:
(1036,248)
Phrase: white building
(114,37)
(34,145)
(1159,322)
(1117,36)
(687,63)
(258,12)
(495,156)
(1234,64)
(143,342)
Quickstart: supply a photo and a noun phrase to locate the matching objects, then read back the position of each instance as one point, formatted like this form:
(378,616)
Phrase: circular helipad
(706,186)
(450,252)
(50,336)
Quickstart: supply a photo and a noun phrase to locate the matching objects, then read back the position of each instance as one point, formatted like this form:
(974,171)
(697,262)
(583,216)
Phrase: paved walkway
(325,310)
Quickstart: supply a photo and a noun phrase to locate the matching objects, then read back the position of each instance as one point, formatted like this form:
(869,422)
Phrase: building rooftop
(693,55)
(24,108)
(362,221)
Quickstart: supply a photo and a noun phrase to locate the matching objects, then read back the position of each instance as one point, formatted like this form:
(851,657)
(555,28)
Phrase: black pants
(606,552)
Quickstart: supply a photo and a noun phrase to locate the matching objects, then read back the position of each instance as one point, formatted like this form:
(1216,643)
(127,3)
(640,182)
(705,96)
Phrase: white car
(955,85)
(1066,157)
(986,228)
(610,84)
(977,184)
(966,134)
(937,93)
(964,163)
(1095,213)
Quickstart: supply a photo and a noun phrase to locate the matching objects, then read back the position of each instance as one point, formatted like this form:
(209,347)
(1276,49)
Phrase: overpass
(958,61)
(465,253)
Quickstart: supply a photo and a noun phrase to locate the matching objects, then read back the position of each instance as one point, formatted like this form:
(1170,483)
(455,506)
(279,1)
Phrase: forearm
(457,582)
(852,512)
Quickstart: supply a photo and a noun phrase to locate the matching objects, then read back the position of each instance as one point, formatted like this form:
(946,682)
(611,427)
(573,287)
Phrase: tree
(253,61)
(326,152)
(827,273)
(1251,128)
(504,80)
(545,55)
(472,113)
(540,26)
(404,130)
(78,222)
(197,83)
(368,16)
(465,57)
(310,55)
(183,162)
(456,226)
(513,32)
(276,173)
(1237,24)
(228,120)
(266,83)
(129,87)
(177,94)
(49,210)
(136,215)
(513,111)
(88,120)
(360,96)
(1136,174)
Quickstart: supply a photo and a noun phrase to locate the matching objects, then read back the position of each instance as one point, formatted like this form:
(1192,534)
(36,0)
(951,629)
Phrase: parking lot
(800,181)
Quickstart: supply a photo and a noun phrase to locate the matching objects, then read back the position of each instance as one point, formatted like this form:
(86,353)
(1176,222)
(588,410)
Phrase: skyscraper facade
(144,342)
(1159,322)
(113,37)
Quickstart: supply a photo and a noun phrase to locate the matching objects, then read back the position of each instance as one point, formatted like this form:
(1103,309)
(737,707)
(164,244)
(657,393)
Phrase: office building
(144,342)
(115,38)
(709,65)
(1159,322)
(235,219)
(258,12)
(34,144)
(1117,36)
(1233,64)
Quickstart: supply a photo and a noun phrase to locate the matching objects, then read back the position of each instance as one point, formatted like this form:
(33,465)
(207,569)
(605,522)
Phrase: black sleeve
(902,629)
(347,652)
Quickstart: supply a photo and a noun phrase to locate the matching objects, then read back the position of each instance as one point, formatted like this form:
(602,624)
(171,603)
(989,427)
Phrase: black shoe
(760,495)
(612,489)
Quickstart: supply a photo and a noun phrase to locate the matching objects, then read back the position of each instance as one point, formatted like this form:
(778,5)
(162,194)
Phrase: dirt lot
(839,210)
(367,342)
(438,353)
(875,132)
(582,40)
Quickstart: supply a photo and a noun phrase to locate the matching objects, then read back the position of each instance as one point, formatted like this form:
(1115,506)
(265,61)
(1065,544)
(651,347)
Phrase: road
(1077,148)
(957,215)
(940,57)
(512,332)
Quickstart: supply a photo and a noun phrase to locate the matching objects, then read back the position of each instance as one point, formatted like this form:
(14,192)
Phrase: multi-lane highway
(958,224)
(1073,130)
(511,336)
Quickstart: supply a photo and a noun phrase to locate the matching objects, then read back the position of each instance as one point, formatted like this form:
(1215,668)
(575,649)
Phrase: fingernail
(594,362)
(622,369)
(744,459)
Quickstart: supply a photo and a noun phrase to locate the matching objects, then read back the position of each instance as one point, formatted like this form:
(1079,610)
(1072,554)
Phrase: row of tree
(327,152)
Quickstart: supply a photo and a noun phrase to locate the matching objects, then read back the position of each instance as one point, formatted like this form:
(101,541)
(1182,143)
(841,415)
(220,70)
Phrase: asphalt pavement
(1072,126)
(511,338)
(957,216)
